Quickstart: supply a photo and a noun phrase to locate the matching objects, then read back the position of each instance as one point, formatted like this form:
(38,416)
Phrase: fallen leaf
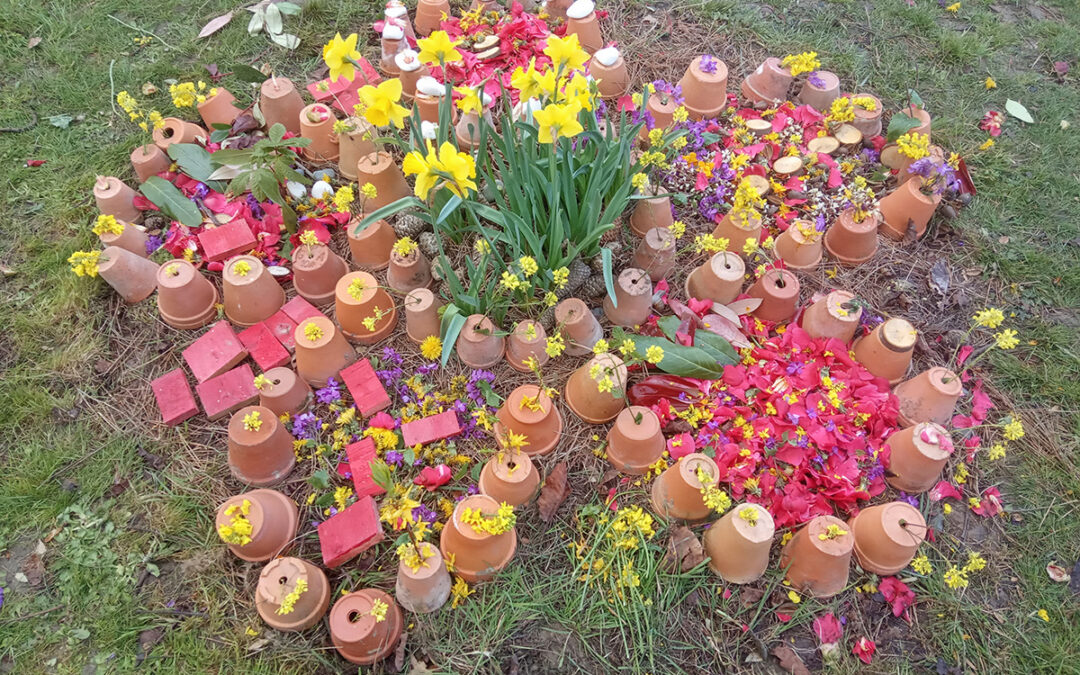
(35,162)
(910,234)
(33,42)
(258,644)
(215,74)
(214,25)
(119,486)
(744,306)
(1057,573)
(939,276)
(716,323)
(34,569)
(751,596)
(554,492)
(1017,110)
(417,667)
(684,551)
(147,640)
(152,460)
(399,652)
(1003,239)
(61,121)
(149,89)
(789,660)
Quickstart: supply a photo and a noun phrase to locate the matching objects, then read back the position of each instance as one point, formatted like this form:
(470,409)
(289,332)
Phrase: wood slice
(891,157)
(848,135)
(826,144)
(759,126)
(489,54)
(760,183)
(788,166)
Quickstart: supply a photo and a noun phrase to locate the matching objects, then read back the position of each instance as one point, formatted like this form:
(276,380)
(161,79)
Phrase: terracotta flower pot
(281,103)
(850,242)
(520,347)
(719,279)
(578,326)
(868,122)
(821,97)
(676,493)
(930,396)
(828,318)
(132,239)
(917,456)
(796,250)
(428,98)
(705,93)
(286,392)
(479,344)
(356,633)
(651,213)
(583,395)
(316,270)
(467,130)
(186,299)
(738,547)
(149,160)
(581,21)
(421,314)
(779,293)
(656,253)
(354,144)
(273,517)
(259,456)
(176,130)
(411,70)
(379,169)
(371,246)
(886,351)
(478,556)
(557,9)
(903,173)
(819,566)
(319,359)
(392,43)
(633,290)
(887,537)
(219,109)
(769,83)
(317,123)
(426,589)
(253,295)
(907,203)
(132,276)
(925,122)
(510,477)
(408,272)
(429,15)
(661,108)
(608,68)
(358,297)
(635,442)
(736,233)
(541,424)
(277,580)
(115,198)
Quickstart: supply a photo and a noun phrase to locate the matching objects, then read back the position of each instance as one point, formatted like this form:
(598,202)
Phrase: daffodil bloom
(471,99)
(558,120)
(457,168)
(438,48)
(381,103)
(339,56)
(532,84)
(578,91)
(566,53)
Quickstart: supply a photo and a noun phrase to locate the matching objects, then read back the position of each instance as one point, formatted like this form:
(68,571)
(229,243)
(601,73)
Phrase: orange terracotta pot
(925,122)
(273,517)
(818,566)
(769,83)
(218,109)
(520,347)
(467,130)
(479,344)
(540,422)
(392,43)
(355,632)
(371,246)
(408,272)
(557,9)
(907,203)
(829,318)
(581,21)
(322,358)
(903,173)
(354,144)
(478,556)
(661,108)
(868,122)
(115,198)
(316,270)
(317,123)
(917,455)
(656,253)
(821,97)
(886,351)
(149,160)
(423,590)
(358,296)
(429,96)
(421,314)
(286,392)
(379,169)
(262,456)
(850,242)
(719,279)
(277,580)
(705,93)
(132,276)
(578,325)
(635,442)
(797,250)
(411,70)
(132,239)
(633,290)
(736,233)
(251,296)
(651,213)
(583,396)
(510,477)
(176,130)
(281,103)
(186,299)
(738,547)
(887,537)
(779,293)
(676,493)
(429,15)
(613,81)
(930,396)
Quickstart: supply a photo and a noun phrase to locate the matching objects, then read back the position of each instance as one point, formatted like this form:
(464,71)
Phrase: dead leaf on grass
(684,551)
(789,660)
(33,42)
(939,276)
(214,25)
(417,667)
(553,493)
(1057,573)
(399,652)
(147,640)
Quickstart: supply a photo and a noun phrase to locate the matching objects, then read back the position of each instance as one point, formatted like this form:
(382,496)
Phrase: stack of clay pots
(779,293)
(816,563)
(186,299)
(371,246)
(251,293)
(832,317)
(322,358)
(426,589)
(768,84)
(633,298)
(316,270)
(930,396)
(887,537)
(578,325)
(478,556)
(285,392)
(354,307)
(738,546)
(917,455)
(719,279)
(520,347)
(887,350)
(273,517)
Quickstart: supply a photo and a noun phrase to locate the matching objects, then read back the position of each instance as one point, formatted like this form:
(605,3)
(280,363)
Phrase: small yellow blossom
(431,347)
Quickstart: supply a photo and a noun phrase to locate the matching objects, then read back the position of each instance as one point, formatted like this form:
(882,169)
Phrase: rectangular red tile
(214,352)
(227,393)
(264,348)
(365,388)
(347,534)
(174,397)
(430,429)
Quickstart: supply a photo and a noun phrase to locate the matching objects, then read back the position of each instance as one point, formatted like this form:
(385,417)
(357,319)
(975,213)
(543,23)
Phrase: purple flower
(709,64)
(472,387)
(305,425)
(330,393)
(389,378)
(427,368)
(922,167)
(795,368)
(391,356)
(869,155)
(910,499)
(201,191)
(254,206)
(424,513)
(601,110)
(153,243)
(394,457)
(819,222)
(816,80)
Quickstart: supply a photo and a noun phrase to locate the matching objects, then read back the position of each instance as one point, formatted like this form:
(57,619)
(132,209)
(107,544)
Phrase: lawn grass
(65,382)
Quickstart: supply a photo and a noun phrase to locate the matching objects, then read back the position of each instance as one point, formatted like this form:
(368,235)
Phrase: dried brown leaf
(554,492)
(33,42)
(789,660)
(214,25)
(684,551)
(399,652)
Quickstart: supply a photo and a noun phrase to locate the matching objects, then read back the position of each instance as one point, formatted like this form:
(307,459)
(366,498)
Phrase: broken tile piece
(361,454)
(365,388)
(430,429)
(223,242)
(264,348)
(282,328)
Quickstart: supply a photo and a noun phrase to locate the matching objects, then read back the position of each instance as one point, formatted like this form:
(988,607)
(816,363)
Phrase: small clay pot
(923,116)
(821,98)
(408,272)
(850,242)
(705,93)
(520,347)
(392,43)
(633,290)
(429,97)
(828,318)
(429,15)
(930,396)
(356,635)
(917,455)
(612,80)
(316,270)
(411,70)
(467,130)
(478,556)
(635,442)
(737,234)
(907,203)
(868,122)
(379,169)
(186,299)
(218,109)
(372,245)
(421,315)
(661,107)
(281,103)
(779,293)
(738,551)
(581,21)
(676,493)
(426,589)
(176,130)
(510,477)
(358,296)
(479,345)
(273,517)
(263,456)
(656,253)
(132,239)
(578,326)
(887,350)
(557,9)
(719,279)
(769,83)
(796,250)
(286,392)
(541,427)
(818,566)
(354,144)
(317,123)
(133,277)
(149,160)
(322,358)
(252,296)
(115,198)
(277,580)
(651,213)
(583,396)
(887,537)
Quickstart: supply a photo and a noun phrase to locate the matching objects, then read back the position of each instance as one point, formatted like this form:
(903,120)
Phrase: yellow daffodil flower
(339,55)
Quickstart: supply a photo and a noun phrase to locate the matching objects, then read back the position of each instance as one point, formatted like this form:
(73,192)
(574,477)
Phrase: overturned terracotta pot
(528,340)
(131,239)
(719,279)
(531,413)
(917,456)
(392,43)
(115,198)
(321,351)
(149,160)
(278,580)
(661,108)
(820,96)
(656,253)
(411,70)
(797,250)
(635,442)
(429,15)
(737,232)
(426,589)
(285,393)
(511,477)
(578,325)
(704,87)
(316,270)
(924,118)
(429,97)
(651,213)
(581,21)
(583,395)
(356,142)
(175,130)
(281,103)
(421,315)
(479,345)
(557,9)
(251,292)
(907,204)
(903,172)
(608,68)
(357,634)
(478,556)
(218,109)
(676,493)
(779,293)
(372,245)
(273,517)
(851,242)
(867,121)
(408,272)
(738,544)
(186,299)
(317,124)
(358,296)
(132,276)
(379,169)
(260,448)
(833,316)
(887,350)
(930,396)
(819,563)
(887,536)
(633,291)
(769,83)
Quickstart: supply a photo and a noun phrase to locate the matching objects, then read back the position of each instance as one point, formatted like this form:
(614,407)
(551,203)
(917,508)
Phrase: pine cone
(593,287)
(429,245)
(409,225)
(547,319)
(579,272)
(610,235)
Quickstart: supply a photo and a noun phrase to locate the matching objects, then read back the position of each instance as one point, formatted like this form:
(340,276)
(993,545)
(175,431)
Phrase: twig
(29,616)
(123,23)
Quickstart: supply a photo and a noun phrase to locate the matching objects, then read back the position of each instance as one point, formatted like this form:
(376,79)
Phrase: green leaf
(609,282)
(286,40)
(171,201)
(490,397)
(392,208)
(448,209)
(681,360)
(218,135)
(669,324)
(61,121)
(288,8)
(276,132)
(716,346)
(1017,110)
(247,73)
(196,162)
(900,124)
(915,99)
(320,480)
(273,19)
(382,475)
(452,323)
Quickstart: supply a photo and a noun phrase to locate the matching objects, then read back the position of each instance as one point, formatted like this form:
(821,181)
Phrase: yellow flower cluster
(746,203)
(431,348)
(448,167)
(914,145)
(1014,430)
(107,224)
(379,104)
(343,199)
(749,514)
(989,318)
(707,243)
(556,344)
(498,523)
(630,527)
(797,64)
(84,263)
(842,110)
(238,531)
(312,332)
(241,268)
(404,246)
(865,102)
(356,289)
(252,421)
(378,610)
(411,557)
(459,592)
(561,277)
(288,603)
(713,497)
(832,532)
(438,49)
(188,94)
